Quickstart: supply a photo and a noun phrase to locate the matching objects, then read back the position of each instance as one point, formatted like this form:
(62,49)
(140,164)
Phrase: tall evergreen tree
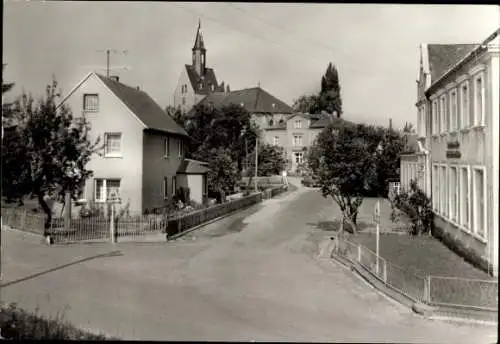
(329,96)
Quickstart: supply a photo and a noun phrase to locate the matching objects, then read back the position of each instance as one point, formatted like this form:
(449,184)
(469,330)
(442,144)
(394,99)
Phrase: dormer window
(200,86)
(212,87)
(271,122)
(273,105)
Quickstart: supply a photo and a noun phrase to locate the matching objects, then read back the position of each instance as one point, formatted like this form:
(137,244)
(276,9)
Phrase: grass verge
(19,324)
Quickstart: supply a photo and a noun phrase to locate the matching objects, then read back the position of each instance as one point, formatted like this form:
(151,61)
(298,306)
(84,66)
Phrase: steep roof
(255,100)
(198,41)
(207,79)
(442,57)
(144,107)
(192,167)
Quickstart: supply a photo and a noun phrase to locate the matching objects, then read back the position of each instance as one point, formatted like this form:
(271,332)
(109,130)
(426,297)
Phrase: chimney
(115,78)
(138,88)
(390,123)
(227,88)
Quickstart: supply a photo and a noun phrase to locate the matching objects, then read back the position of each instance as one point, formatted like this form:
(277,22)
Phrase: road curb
(418,308)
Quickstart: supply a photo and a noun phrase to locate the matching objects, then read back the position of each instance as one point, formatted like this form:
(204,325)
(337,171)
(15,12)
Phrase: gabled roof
(255,100)
(144,107)
(207,79)
(192,167)
(442,57)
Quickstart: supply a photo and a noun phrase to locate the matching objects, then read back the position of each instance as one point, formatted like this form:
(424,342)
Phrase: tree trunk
(48,212)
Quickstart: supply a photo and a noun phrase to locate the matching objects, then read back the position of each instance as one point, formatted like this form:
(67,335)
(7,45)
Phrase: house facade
(196,80)
(142,148)
(296,133)
(458,126)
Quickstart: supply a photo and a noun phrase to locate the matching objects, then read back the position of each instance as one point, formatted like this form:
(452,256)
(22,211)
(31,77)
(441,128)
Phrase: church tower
(199,52)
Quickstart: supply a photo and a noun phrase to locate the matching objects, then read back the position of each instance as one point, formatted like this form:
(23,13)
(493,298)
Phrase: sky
(284,47)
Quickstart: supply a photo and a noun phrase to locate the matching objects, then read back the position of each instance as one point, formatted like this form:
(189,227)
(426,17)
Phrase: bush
(182,194)
(417,206)
(18,324)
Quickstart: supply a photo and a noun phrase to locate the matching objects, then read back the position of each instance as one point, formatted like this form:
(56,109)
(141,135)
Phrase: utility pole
(256,160)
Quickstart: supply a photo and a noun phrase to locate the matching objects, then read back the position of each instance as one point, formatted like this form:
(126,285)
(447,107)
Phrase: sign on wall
(453,150)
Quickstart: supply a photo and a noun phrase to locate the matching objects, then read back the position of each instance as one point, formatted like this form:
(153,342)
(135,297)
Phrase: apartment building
(458,126)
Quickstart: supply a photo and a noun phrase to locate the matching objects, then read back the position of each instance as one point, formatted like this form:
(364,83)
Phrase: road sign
(114,197)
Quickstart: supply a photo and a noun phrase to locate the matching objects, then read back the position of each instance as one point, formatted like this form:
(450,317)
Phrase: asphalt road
(251,276)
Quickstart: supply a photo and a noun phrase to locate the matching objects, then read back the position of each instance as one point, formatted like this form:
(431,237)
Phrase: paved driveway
(253,276)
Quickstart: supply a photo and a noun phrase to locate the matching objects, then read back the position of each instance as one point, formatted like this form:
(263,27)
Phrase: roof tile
(442,57)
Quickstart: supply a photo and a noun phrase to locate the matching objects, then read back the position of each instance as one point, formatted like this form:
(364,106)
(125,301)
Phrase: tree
(223,174)
(55,147)
(307,104)
(176,113)
(271,160)
(7,108)
(343,158)
(409,128)
(329,96)
(328,99)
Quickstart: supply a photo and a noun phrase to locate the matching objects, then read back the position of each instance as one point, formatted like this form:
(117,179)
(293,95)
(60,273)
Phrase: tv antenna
(108,53)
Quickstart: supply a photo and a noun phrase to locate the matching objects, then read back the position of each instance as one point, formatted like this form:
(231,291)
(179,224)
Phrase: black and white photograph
(250,172)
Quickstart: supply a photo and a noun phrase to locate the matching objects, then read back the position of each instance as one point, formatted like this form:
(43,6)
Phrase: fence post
(385,271)
(427,289)
(112,224)
(359,253)
(22,223)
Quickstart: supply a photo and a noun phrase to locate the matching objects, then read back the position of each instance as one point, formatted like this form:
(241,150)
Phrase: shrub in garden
(417,206)
(182,194)
(18,324)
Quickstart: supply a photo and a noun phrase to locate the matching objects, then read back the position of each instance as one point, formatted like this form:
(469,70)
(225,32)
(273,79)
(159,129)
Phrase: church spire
(199,52)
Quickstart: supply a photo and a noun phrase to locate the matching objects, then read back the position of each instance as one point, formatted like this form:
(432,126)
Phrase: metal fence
(99,228)
(433,290)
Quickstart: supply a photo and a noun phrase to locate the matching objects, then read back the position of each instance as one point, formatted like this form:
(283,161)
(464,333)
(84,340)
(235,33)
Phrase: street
(251,276)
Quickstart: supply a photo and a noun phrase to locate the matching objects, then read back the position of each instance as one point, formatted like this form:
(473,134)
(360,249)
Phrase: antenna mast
(108,53)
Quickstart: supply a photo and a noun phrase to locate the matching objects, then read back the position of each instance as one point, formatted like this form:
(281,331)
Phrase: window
(166,145)
(479,101)
(180,147)
(174,184)
(421,121)
(91,102)
(442,191)
(112,144)
(165,187)
(276,140)
(183,100)
(297,124)
(479,198)
(297,140)
(453,109)
(465,105)
(298,157)
(200,86)
(453,194)
(464,197)
(104,187)
(435,184)
(435,118)
(212,87)
(444,115)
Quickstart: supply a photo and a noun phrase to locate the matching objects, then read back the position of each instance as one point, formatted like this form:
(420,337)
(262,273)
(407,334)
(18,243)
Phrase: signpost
(112,199)
(377,221)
